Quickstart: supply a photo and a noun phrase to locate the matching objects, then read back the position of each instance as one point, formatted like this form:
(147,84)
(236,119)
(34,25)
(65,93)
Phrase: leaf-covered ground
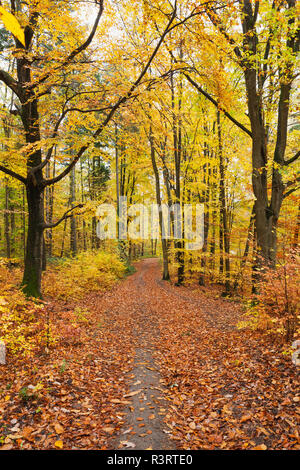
(212,387)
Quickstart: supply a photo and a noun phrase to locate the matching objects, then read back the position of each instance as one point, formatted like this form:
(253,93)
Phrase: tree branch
(292,190)
(78,49)
(55,132)
(13,174)
(9,81)
(66,215)
(217,23)
(212,100)
(117,105)
(292,159)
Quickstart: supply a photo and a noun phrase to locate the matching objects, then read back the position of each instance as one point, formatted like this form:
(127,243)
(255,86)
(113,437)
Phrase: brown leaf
(121,402)
(109,430)
(58,428)
(132,394)
(128,444)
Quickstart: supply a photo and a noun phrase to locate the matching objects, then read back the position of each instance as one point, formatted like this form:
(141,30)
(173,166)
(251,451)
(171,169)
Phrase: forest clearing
(149,225)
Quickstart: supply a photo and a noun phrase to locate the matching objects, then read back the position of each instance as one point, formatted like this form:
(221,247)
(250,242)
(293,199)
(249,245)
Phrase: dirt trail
(196,381)
(144,427)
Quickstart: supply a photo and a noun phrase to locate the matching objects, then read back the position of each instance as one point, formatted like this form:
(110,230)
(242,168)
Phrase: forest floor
(155,367)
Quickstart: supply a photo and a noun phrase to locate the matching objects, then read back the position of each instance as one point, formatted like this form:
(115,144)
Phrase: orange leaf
(260,447)
(245,418)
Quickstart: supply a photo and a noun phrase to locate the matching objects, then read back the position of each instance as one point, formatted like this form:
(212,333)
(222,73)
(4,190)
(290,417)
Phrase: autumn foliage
(88,271)
(276,305)
(173,104)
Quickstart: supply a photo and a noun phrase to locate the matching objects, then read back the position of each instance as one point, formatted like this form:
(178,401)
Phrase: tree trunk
(296,231)
(177,143)
(246,251)
(205,201)
(6,222)
(73,225)
(166,275)
(31,283)
(223,209)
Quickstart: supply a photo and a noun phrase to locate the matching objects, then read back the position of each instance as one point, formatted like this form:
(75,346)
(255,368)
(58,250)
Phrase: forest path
(143,427)
(196,381)
(149,298)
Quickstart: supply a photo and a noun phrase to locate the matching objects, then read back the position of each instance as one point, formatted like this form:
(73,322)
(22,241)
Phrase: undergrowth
(88,271)
(275,308)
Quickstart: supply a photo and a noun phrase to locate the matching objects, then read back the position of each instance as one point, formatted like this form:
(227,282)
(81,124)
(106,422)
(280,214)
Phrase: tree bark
(73,225)
(166,275)
(223,208)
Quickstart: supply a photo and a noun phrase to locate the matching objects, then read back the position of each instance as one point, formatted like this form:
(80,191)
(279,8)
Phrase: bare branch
(9,81)
(66,215)
(13,174)
(292,159)
(212,100)
(117,105)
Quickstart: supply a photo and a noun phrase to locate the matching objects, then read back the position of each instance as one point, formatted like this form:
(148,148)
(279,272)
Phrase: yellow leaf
(12,24)
(59,444)
(38,387)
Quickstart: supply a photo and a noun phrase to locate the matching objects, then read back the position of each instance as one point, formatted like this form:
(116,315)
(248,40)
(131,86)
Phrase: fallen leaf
(58,428)
(109,430)
(128,444)
(245,418)
(6,447)
(121,402)
(59,444)
(260,447)
(131,394)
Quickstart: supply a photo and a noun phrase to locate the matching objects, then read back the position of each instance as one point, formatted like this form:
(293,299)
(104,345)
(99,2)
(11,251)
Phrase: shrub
(22,322)
(88,271)
(276,306)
